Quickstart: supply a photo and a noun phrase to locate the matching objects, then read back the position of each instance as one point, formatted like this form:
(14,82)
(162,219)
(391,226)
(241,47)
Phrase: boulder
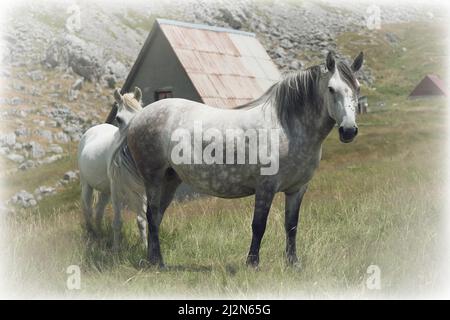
(36,149)
(8,139)
(17,158)
(27,165)
(70,176)
(23,199)
(78,84)
(55,148)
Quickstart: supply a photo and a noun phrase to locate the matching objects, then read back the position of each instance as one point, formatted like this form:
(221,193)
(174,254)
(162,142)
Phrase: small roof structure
(227,67)
(430,86)
(220,67)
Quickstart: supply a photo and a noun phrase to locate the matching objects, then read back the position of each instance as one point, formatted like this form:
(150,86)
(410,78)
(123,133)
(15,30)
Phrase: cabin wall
(161,69)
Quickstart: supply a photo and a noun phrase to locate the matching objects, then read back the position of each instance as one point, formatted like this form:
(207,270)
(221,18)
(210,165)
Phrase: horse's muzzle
(347,135)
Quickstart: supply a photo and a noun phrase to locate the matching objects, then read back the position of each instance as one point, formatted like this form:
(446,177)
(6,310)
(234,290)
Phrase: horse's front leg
(293,202)
(263,201)
(117,220)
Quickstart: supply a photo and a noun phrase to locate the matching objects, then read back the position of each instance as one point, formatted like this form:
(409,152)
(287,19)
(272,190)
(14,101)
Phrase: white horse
(100,171)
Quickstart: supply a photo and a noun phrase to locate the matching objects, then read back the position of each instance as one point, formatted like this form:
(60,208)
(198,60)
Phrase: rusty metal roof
(227,67)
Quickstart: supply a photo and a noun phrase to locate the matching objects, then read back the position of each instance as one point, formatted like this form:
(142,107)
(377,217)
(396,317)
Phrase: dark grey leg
(154,218)
(263,201)
(292,208)
(171,183)
(158,199)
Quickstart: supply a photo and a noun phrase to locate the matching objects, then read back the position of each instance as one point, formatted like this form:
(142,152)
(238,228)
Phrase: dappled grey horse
(302,108)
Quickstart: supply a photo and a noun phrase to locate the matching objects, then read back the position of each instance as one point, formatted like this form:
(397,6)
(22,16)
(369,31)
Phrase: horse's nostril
(347,134)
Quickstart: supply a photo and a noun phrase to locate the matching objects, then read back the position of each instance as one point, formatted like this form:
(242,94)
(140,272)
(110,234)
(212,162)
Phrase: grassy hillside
(375,201)
(421,48)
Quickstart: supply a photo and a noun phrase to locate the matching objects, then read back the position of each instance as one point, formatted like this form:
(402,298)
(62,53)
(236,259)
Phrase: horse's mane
(298,92)
(123,170)
(131,103)
(291,95)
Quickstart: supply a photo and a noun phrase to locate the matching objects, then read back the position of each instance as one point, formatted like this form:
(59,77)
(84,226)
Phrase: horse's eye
(331,90)
(119,120)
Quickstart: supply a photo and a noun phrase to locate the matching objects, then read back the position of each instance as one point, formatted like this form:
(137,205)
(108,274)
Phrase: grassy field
(377,201)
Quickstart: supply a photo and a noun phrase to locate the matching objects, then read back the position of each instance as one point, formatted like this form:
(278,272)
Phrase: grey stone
(16,101)
(56,149)
(36,75)
(16,157)
(18,146)
(27,165)
(62,137)
(296,65)
(70,176)
(22,132)
(279,52)
(8,139)
(286,44)
(44,191)
(23,199)
(50,159)
(46,134)
(36,149)
(4,151)
(72,95)
(78,84)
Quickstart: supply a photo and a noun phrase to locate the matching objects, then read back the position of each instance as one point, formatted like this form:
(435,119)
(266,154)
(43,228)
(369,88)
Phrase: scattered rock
(46,134)
(36,149)
(36,75)
(27,165)
(70,176)
(8,139)
(43,191)
(17,158)
(78,84)
(23,199)
(50,159)
(4,151)
(286,44)
(56,149)
(72,95)
(62,137)
(296,65)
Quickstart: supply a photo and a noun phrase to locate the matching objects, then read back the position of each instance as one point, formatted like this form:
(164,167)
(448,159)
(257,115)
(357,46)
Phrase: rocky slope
(61,60)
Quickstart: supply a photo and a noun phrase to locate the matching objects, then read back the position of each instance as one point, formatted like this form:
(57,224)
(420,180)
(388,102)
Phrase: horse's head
(343,91)
(127,105)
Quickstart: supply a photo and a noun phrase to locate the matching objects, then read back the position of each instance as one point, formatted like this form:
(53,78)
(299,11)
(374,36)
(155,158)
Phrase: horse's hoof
(253,262)
(294,263)
(156,263)
(116,249)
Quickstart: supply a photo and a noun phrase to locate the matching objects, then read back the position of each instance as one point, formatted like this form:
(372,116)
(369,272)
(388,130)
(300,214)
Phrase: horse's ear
(357,64)
(137,94)
(331,61)
(117,96)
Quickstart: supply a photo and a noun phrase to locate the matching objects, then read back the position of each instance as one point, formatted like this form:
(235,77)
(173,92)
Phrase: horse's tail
(128,183)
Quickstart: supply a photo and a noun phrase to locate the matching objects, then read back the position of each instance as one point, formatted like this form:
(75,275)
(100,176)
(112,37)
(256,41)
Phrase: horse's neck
(312,128)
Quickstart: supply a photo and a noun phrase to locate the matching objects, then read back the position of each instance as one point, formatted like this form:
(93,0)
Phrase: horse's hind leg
(170,185)
(160,189)
(86,203)
(103,199)
(154,218)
